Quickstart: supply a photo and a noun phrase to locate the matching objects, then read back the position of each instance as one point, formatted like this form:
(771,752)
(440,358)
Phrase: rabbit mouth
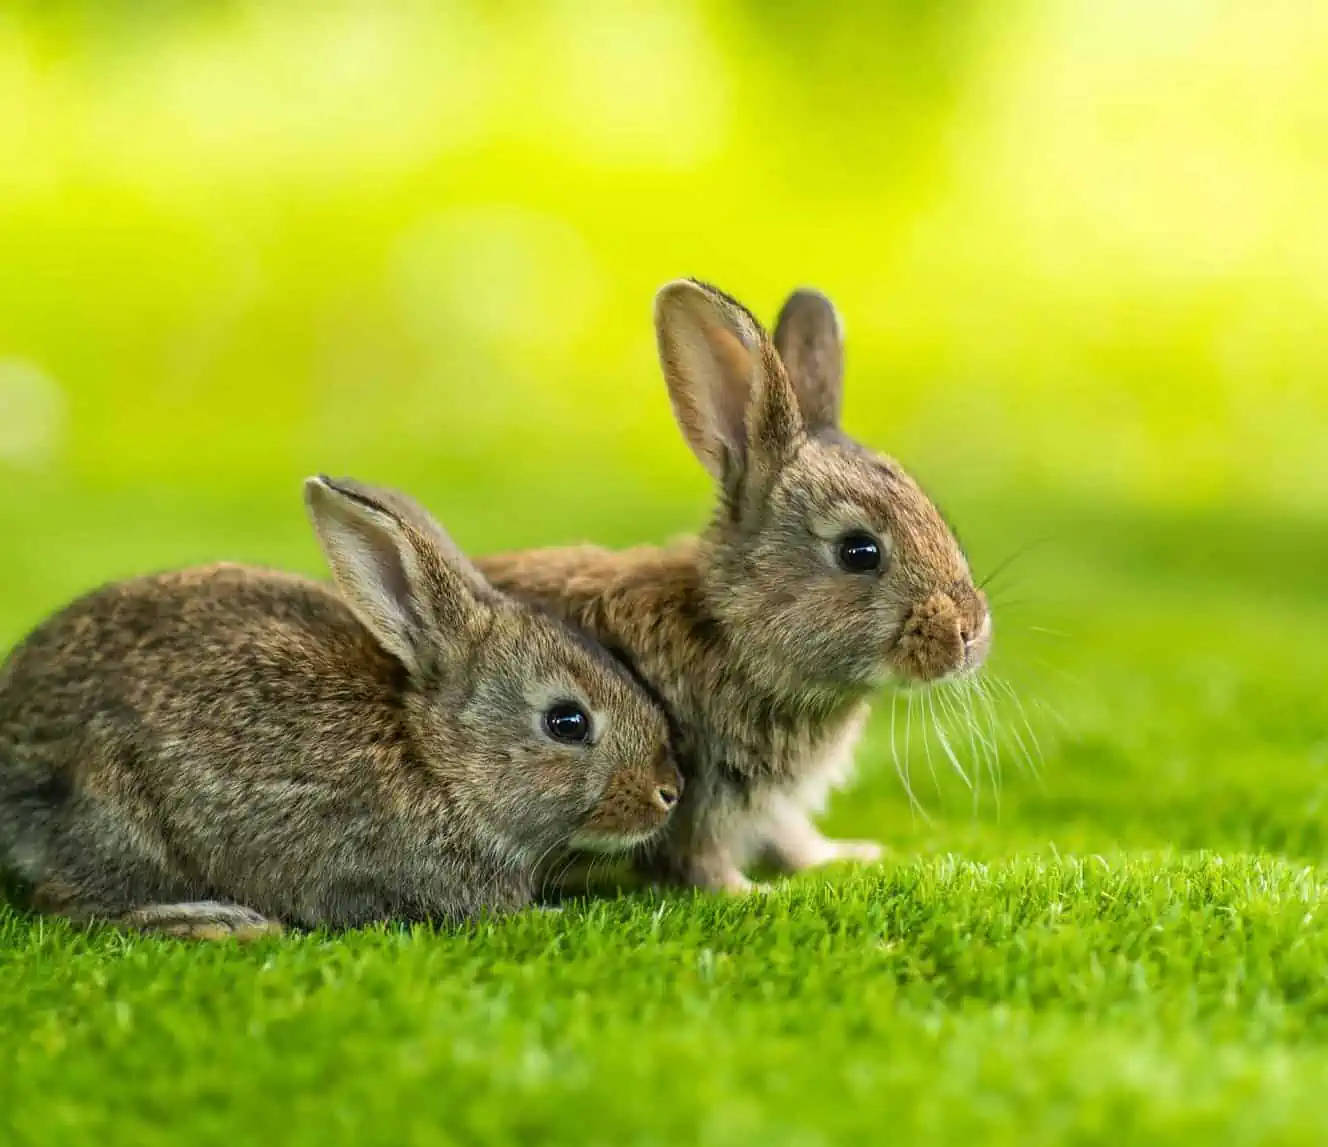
(976,647)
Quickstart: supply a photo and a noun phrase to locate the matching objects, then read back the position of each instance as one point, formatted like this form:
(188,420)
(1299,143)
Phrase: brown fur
(761,647)
(208,752)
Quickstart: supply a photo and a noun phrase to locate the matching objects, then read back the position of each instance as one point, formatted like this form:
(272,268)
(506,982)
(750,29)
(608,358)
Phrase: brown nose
(666,796)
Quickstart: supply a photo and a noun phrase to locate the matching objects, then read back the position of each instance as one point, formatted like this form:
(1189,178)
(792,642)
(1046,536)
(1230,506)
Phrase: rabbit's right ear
(810,341)
(397,569)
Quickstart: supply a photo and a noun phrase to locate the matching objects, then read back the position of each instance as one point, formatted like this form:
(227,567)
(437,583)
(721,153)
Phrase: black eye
(859,553)
(567,722)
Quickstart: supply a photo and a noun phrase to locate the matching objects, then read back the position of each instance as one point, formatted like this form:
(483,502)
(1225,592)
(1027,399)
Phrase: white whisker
(985,709)
(535,869)
(902,769)
(1051,712)
(908,730)
(928,714)
(1019,741)
(949,752)
(963,705)
(1023,714)
(1075,679)
(962,719)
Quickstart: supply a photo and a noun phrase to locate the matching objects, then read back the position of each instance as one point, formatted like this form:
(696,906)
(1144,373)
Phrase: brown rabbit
(825,573)
(210,752)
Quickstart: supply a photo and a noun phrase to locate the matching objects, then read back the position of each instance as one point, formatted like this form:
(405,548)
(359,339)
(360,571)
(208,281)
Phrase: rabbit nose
(666,796)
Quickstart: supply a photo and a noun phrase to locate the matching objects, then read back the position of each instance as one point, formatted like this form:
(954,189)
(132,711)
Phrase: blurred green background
(1080,250)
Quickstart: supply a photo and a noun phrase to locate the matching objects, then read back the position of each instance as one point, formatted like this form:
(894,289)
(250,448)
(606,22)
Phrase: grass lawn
(1127,946)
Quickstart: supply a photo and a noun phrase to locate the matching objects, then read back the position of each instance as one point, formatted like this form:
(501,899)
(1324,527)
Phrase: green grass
(1021,1003)
(1127,947)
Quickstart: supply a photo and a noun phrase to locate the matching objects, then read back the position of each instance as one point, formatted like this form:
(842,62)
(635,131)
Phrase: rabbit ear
(397,569)
(730,394)
(810,341)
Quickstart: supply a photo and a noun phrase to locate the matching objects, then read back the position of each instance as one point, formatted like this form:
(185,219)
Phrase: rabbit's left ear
(810,341)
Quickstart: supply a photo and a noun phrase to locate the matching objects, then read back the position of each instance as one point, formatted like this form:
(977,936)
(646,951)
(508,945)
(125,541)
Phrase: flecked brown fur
(761,647)
(211,752)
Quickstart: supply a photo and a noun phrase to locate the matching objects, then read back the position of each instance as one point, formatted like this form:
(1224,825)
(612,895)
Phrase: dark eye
(567,722)
(859,553)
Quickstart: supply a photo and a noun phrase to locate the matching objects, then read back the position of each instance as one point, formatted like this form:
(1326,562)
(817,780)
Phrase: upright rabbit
(825,573)
(218,750)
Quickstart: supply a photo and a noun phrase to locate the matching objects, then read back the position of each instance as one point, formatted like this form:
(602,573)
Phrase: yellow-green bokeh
(1079,247)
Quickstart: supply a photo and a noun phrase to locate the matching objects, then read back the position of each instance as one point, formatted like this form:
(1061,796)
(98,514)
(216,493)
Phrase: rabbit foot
(202,920)
(739,885)
(793,844)
(726,878)
(822,851)
(860,851)
(708,869)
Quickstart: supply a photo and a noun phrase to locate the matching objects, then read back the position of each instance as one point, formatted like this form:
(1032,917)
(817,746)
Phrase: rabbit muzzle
(636,805)
(946,635)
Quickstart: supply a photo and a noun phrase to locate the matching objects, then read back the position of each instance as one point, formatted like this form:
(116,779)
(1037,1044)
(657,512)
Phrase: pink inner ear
(734,388)
(734,357)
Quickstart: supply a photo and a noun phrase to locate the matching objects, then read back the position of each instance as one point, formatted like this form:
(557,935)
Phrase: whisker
(955,708)
(986,709)
(1006,563)
(908,730)
(972,690)
(928,713)
(1001,605)
(1076,679)
(539,865)
(1023,715)
(1051,712)
(1013,730)
(949,752)
(569,862)
(903,772)
(596,863)
(986,756)
(954,714)
(557,871)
